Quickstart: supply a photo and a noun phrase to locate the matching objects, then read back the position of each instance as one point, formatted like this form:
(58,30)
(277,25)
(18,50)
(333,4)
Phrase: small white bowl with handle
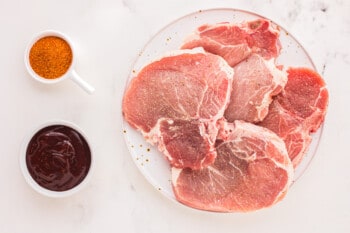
(69,74)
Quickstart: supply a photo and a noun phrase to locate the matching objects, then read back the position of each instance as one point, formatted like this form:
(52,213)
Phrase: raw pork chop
(175,96)
(255,82)
(252,171)
(306,96)
(235,42)
(298,111)
(187,143)
(290,128)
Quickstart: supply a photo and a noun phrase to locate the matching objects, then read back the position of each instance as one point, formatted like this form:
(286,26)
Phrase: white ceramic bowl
(29,178)
(30,45)
(70,73)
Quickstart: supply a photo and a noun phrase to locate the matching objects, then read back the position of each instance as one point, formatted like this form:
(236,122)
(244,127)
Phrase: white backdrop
(108,36)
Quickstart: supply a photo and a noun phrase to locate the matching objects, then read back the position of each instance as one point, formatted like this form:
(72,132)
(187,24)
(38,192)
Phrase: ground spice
(50,57)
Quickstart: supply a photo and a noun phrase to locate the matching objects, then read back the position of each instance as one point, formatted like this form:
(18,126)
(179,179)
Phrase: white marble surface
(108,35)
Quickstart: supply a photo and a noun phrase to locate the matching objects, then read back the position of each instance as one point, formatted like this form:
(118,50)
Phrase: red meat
(298,111)
(235,42)
(254,84)
(190,88)
(252,171)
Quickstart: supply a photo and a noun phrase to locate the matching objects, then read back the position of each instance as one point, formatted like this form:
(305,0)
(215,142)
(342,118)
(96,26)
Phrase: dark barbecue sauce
(58,157)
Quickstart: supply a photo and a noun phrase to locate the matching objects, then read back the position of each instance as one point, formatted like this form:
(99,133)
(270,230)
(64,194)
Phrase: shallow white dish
(30,180)
(148,159)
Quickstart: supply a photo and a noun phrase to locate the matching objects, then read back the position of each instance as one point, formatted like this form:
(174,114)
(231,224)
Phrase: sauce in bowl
(58,157)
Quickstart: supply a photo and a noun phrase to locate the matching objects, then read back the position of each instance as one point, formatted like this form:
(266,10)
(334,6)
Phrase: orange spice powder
(50,57)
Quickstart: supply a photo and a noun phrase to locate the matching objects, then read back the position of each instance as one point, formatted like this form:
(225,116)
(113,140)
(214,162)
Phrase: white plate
(153,164)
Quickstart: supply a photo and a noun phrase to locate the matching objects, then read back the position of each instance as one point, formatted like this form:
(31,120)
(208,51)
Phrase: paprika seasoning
(50,57)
